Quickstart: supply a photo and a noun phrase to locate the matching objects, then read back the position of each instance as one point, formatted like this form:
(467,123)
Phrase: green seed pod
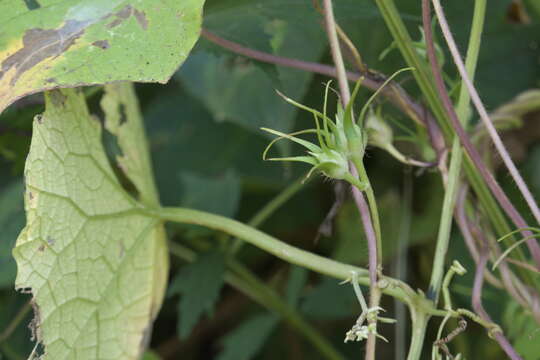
(332,164)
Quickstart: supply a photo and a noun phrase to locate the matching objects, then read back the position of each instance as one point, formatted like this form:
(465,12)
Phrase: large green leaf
(94,262)
(70,43)
(237,90)
(184,138)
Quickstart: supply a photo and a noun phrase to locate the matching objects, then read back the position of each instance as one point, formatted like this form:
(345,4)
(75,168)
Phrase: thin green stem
(368,216)
(421,74)
(482,112)
(463,112)
(445,225)
(419,325)
(373,264)
(370,220)
(336,52)
(435,348)
(244,280)
(291,254)
(452,182)
(425,82)
(266,211)
(370,194)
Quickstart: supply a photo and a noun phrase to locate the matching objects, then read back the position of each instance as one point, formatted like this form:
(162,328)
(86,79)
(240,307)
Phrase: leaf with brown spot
(86,42)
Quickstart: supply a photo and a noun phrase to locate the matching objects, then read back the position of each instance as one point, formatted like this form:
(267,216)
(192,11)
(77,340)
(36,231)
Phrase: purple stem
(479,308)
(374,293)
(363,208)
(456,56)
(467,230)
(495,188)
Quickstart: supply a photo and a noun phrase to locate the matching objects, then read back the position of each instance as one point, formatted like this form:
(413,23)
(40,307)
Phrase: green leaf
(199,283)
(183,137)
(219,195)
(244,342)
(123,119)
(81,42)
(242,91)
(95,263)
(329,291)
(11,223)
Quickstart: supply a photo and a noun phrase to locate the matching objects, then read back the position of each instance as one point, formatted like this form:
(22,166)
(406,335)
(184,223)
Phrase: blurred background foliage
(206,144)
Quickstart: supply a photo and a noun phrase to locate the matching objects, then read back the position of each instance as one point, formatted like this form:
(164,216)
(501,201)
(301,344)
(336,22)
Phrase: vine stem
(463,113)
(505,156)
(479,308)
(493,202)
(330,23)
(284,251)
(465,141)
(370,224)
(451,180)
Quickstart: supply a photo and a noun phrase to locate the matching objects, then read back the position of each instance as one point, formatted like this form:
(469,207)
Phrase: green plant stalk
(370,194)
(463,112)
(367,215)
(291,254)
(452,184)
(267,210)
(421,74)
(490,129)
(416,301)
(375,292)
(419,306)
(374,247)
(423,78)
(445,225)
(246,282)
(418,331)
